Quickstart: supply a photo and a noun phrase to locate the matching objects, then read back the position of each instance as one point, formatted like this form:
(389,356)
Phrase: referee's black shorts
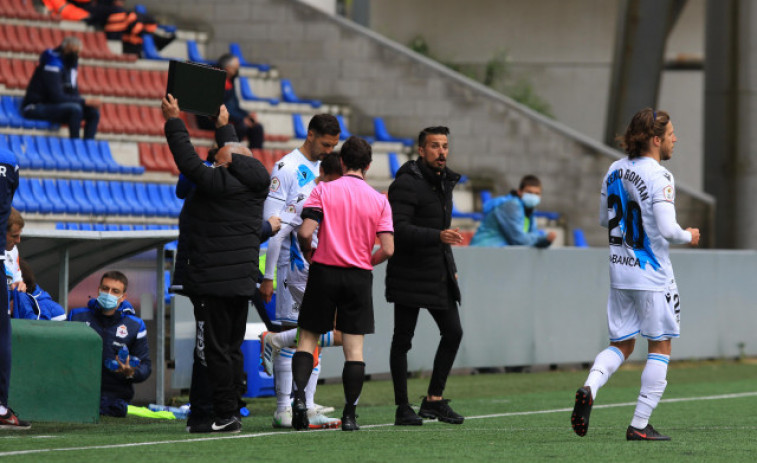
(344,292)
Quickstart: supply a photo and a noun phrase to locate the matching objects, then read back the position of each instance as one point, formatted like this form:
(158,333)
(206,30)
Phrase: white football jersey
(639,256)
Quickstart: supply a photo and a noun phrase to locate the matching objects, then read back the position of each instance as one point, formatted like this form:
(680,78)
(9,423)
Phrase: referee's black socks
(302,367)
(353,375)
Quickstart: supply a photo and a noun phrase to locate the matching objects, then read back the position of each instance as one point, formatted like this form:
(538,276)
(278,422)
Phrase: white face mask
(530,200)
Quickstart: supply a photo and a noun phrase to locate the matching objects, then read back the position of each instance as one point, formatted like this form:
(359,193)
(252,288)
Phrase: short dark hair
(28,276)
(437,130)
(331,164)
(225,59)
(116,275)
(356,153)
(529,180)
(324,124)
(645,125)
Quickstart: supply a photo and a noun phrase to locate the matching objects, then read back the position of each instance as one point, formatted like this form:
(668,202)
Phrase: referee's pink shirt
(353,214)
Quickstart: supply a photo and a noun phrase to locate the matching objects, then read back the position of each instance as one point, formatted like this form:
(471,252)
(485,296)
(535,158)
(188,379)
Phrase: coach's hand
(223,117)
(170,107)
(694,236)
(266,290)
(451,236)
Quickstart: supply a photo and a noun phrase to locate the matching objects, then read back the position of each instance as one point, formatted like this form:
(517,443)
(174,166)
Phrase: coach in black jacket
(220,230)
(422,272)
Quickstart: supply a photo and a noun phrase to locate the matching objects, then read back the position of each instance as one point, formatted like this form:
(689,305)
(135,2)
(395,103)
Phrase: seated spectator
(508,220)
(243,121)
(114,319)
(35,303)
(12,239)
(53,94)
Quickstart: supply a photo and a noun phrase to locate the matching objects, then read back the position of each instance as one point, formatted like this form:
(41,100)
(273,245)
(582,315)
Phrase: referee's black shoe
(405,416)
(300,419)
(648,433)
(579,420)
(440,410)
(349,423)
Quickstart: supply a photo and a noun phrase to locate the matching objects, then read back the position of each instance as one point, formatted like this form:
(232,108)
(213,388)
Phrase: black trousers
(405,320)
(218,370)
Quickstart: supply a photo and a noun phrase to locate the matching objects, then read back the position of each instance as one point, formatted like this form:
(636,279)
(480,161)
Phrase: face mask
(530,200)
(107,301)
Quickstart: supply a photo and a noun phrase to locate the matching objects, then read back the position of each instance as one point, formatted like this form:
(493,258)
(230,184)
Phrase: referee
(349,214)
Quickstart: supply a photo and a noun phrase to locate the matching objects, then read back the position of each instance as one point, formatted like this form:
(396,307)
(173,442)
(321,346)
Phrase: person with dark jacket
(116,322)
(243,121)
(422,272)
(53,93)
(217,264)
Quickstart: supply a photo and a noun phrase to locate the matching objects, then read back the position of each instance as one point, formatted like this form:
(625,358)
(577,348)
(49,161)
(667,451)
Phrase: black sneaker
(440,410)
(648,433)
(300,419)
(349,423)
(579,420)
(202,427)
(11,421)
(230,424)
(406,416)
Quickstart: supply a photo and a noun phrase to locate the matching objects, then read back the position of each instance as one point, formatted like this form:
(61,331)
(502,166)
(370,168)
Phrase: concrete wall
(524,306)
(494,140)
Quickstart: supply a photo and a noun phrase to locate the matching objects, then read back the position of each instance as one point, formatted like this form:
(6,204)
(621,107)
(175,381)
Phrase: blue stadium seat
(4,141)
(99,227)
(22,198)
(64,193)
(299,127)
(43,149)
(382,134)
(153,226)
(148,208)
(86,227)
(344,132)
(547,215)
(73,225)
(107,157)
(579,239)
(113,206)
(458,214)
(112,227)
(73,193)
(56,202)
(168,193)
(12,104)
(394,164)
(89,164)
(288,95)
(98,204)
(32,153)
(38,191)
(5,121)
(131,197)
(149,50)
(97,156)
(193,52)
(67,146)
(62,161)
(16,144)
(236,50)
(60,226)
(117,193)
(486,195)
(139,228)
(153,192)
(249,95)
(126,227)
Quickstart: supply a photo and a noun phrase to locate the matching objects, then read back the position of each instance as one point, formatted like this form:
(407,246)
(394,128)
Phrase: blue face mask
(107,301)
(530,200)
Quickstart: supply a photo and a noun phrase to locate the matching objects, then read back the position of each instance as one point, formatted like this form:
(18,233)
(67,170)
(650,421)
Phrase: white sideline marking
(275,433)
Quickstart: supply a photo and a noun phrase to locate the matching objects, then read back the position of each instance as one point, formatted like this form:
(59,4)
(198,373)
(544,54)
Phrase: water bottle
(181,413)
(123,354)
(134,361)
(111,364)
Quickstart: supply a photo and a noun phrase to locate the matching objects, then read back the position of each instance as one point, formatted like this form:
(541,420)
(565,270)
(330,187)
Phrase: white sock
(286,338)
(3,410)
(312,384)
(606,363)
(282,372)
(652,386)
(326,340)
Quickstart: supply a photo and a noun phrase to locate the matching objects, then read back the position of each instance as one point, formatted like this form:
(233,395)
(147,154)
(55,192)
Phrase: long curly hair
(644,125)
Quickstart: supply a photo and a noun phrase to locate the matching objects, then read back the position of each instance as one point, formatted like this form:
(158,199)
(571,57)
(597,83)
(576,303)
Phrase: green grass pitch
(709,409)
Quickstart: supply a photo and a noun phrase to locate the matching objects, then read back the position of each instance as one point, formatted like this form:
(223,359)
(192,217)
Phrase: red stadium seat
(130,126)
(114,87)
(35,39)
(46,37)
(17,76)
(13,39)
(168,158)
(107,118)
(146,157)
(202,151)
(29,67)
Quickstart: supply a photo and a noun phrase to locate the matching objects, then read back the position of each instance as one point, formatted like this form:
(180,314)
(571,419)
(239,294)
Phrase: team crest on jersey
(122,332)
(668,193)
(275,184)
(305,175)
(291,209)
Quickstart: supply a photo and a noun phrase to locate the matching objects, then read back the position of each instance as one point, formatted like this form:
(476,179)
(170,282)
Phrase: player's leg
(660,324)
(353,375)
(302,367)
(316,415)
(8,419)
(623,326)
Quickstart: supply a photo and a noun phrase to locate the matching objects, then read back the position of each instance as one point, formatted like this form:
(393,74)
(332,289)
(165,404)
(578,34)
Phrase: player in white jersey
(638,209)
(12,239)
(292,180)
